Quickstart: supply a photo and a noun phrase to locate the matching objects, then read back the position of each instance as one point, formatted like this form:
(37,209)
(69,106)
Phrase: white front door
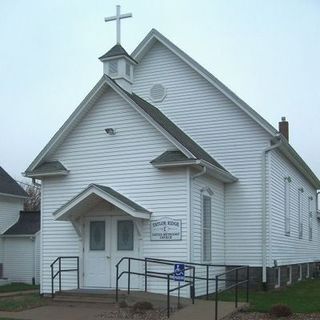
(107,240)
(97,252)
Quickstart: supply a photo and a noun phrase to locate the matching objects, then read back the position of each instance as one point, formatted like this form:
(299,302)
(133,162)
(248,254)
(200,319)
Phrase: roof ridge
(10,186)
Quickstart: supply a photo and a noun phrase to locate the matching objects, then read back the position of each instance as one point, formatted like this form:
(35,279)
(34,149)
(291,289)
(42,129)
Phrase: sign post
(179,276)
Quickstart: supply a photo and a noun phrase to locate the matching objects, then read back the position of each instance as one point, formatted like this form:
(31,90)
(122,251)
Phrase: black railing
(236,282)
(168,276)
(60,271)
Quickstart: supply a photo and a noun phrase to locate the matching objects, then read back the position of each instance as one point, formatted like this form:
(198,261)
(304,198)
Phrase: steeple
(117,63)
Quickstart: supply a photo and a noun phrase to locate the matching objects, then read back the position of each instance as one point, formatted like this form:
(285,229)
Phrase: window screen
(206,228)
(287,206)
(128,69)
(125,235)
(300,220)
(113,67)
(310,217)
(97,235)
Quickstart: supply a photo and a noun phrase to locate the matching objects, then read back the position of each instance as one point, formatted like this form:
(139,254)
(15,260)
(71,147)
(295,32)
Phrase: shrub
(280,310)
(139,307)
(123,304)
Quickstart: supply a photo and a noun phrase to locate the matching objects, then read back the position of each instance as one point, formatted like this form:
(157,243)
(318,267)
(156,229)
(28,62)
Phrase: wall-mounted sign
(165,228)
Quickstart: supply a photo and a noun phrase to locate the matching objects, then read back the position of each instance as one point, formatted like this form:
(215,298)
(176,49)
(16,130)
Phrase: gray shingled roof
(174,130)
(28,224)
(170,156)
(121,198)
(116,51)
(50,166)
(9,186)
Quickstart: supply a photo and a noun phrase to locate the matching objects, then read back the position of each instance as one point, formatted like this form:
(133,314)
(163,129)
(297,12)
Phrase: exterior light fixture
(110,131)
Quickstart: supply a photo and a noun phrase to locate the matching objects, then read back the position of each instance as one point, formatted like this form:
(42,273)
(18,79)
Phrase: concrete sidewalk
(61,312)
(205,310)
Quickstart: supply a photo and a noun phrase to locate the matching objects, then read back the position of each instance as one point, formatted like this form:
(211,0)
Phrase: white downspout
(264,209)
(191,178)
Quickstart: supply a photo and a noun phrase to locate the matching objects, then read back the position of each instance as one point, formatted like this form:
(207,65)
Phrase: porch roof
(88,197)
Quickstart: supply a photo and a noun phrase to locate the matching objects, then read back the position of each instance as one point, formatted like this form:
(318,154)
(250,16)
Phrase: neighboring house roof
(28,224)
(9,186)
(116,51)
(85,198)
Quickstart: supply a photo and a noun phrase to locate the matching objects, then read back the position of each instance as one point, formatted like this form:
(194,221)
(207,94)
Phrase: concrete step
(75,299)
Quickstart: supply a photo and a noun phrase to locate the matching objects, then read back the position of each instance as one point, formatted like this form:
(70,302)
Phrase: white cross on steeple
(118,17)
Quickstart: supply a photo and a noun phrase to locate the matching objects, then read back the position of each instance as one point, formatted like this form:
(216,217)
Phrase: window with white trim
(206,228)
(310,215)
(287,205)
(300,211)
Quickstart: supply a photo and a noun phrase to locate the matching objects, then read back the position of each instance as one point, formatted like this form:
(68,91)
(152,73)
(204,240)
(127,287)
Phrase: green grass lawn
(17,287)
(24,302)
(303,297)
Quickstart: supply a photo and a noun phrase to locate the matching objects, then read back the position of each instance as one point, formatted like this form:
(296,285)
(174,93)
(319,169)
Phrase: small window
(97,235)
(300,272)
(206,228)
(310,217)
(287,205)
(277,277)
(128,69)
(300,211)
(289,275)
(113,67)
(125,235)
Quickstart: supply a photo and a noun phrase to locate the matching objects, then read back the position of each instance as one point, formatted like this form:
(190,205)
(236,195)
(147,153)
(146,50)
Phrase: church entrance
(107,239)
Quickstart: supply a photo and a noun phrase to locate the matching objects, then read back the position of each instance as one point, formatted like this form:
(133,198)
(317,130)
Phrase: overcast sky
(267,52)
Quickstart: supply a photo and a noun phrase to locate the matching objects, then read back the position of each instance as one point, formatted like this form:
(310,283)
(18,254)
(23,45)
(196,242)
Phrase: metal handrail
(60,271)
(235,285)
(169,276)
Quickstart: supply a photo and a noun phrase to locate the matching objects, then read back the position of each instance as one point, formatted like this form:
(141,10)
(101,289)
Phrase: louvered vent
(113,67)
(157,92)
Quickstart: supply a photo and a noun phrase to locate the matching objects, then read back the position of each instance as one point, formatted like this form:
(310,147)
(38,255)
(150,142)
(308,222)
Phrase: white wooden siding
(121,162)
(218,229)
(19,263)
(9,214)
(9,211)
(291,249)
(223,130)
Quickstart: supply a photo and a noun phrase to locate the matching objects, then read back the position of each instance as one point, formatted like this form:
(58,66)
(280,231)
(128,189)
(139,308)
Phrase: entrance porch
(109,226)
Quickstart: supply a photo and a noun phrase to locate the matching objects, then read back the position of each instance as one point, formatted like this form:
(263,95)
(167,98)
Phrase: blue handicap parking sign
(178,272)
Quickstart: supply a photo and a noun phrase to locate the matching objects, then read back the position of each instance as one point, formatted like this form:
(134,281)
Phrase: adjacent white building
(162,160)
(19,235)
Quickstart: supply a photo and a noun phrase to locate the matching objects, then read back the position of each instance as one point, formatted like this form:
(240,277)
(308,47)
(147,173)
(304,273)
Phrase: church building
(162,160)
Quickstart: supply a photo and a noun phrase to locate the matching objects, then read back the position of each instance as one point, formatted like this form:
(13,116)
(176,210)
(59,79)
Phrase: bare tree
(32,203)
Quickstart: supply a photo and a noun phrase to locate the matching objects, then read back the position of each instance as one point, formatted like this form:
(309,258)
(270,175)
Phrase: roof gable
(71,208)
(9,186)
(174,134)
(155,35)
